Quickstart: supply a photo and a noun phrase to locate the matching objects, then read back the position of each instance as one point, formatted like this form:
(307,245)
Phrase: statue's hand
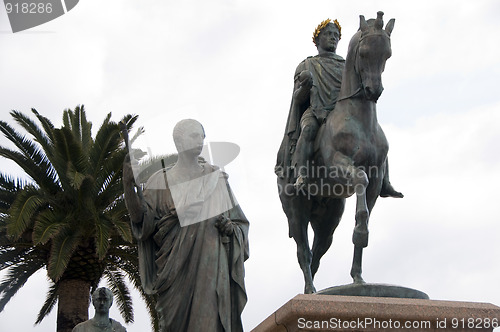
(306,79)
(303,85)
(225,225)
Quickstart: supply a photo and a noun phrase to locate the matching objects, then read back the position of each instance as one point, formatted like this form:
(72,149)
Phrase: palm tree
(69,217)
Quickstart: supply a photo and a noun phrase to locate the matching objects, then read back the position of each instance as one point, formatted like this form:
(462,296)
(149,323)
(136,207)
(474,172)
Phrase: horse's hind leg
(304,254)
(324,222)
(297,209)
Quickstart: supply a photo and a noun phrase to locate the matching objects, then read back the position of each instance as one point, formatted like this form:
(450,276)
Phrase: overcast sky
(230,64)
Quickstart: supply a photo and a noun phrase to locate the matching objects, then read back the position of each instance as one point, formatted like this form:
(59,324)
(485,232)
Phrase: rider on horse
(317,84)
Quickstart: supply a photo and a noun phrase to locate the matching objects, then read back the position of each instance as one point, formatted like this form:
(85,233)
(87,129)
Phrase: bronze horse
(350,158)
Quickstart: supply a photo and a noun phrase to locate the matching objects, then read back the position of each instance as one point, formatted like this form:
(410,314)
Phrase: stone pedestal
(314,312)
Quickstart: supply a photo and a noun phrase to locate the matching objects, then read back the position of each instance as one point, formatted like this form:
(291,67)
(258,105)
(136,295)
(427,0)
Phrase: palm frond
(137,134)
(102,234)
(46,125)
(129,120)
(50,302)
(9,187)
(86,130)
(63,247)
(72,148)
(25,145)
(32,152)
(29,157)
(75,123)
(31,127)
(27,203)
(106,143)
(110,191)
(107,182)
(68,157)
(126,259)
(49,223)
(130,267)
(116,282)
(15,279)
(13,255)
(66,118)
(43,176)
(120,222)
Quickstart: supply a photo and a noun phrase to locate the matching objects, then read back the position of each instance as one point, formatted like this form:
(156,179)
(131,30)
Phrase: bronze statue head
(102,299)
(323,25)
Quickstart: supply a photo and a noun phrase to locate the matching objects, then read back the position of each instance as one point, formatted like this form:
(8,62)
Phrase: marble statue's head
(189,136)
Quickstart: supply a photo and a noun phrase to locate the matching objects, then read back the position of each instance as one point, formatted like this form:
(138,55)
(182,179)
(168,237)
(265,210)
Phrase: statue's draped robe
(199,280)
(326,70)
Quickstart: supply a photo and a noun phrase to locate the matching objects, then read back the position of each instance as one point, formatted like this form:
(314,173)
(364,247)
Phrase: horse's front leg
(360,182)
(356,265)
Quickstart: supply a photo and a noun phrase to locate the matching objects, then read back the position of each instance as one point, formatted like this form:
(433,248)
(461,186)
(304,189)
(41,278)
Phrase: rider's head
(327,35)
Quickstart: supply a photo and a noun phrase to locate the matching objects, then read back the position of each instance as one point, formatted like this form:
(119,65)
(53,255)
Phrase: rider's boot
(387,188)
(389,191)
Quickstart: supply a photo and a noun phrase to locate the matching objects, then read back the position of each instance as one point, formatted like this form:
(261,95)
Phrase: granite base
(314,312)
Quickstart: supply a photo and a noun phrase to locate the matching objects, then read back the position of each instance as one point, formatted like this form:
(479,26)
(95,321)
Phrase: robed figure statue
(192,237)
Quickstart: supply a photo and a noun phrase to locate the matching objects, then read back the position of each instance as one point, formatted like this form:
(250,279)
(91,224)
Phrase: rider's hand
(306,79)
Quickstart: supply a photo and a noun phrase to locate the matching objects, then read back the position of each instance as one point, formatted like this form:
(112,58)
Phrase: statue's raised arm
(134,199)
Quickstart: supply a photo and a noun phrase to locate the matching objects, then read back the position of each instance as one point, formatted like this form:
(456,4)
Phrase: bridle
(361,87)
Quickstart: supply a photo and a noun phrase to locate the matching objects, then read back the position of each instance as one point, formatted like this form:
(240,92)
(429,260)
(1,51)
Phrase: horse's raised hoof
(309,289)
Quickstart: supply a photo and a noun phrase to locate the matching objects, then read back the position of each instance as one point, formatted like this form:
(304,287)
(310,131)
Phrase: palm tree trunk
(73,306)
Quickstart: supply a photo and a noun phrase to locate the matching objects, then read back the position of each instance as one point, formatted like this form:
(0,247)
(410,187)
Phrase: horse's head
(373,50)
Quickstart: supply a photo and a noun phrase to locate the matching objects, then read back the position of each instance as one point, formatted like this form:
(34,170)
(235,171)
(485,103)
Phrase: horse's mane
(350,83)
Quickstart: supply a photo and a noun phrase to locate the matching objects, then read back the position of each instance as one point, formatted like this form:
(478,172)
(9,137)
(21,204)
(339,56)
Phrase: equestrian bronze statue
(349,151)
